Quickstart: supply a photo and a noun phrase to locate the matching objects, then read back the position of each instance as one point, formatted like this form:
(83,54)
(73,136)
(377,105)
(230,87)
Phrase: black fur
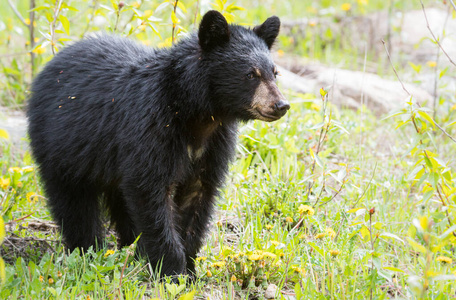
(114,120)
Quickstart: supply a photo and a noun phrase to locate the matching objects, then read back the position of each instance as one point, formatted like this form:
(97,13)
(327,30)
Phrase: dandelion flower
(268,226)
(256,255)
(41,278)
(201,258)
(432,64)
(4,183)
(208,273)
(109,252)
(306,209)
(269,255)
(275,243)
(444,260)
(39,50)
(27,169)
(346,6)
(233,278)
(31,197)
(289,219)
(218,264)
(50,280)
(320,235)
(334,252)
(300,271)
(14,170)
(330,232)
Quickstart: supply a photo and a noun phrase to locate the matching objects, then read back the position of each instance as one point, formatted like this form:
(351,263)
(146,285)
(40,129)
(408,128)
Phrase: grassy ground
(326,203)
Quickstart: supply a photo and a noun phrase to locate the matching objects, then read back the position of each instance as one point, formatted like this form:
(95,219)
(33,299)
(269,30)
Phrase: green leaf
(417,247)
(188,296)
(394,269)
(417,68)
(65,23)
(2,230)
(392,236)
(316,248)
(427,117)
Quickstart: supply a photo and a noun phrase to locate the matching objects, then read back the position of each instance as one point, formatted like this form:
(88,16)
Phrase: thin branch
(433,36)
(174,24)
(403,87)
(17,13)
(58,4)
(452,3)
(394,69)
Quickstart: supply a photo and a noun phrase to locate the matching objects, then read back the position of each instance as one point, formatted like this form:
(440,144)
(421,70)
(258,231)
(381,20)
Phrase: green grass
(252,234)
(326,203)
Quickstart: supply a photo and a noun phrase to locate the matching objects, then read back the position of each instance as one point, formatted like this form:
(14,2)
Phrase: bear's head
(241,72)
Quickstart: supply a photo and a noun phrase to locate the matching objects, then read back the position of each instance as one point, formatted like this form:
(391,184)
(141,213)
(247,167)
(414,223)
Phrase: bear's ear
(269,30)
(213,30)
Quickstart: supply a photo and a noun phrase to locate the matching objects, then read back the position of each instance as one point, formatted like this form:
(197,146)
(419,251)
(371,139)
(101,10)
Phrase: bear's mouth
(267,117)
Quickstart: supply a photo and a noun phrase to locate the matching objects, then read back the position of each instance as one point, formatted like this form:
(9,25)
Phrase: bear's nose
(282,106)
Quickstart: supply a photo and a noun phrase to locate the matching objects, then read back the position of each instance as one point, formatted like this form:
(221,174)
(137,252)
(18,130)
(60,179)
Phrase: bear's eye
(276,73)
(251,75)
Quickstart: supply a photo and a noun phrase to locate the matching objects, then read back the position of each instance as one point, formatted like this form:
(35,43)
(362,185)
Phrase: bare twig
(433,36)
(32,35)
(17,13)
(196,13)
(394,69)
(403,87)
(58,4)
(452,3)
(174,24)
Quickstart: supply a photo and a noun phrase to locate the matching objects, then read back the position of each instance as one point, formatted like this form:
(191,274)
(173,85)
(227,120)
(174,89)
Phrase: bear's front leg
(195,199)
(155,220)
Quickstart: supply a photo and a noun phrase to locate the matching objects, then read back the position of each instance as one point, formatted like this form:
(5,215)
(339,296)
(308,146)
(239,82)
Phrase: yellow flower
(4,183)
(32,197)
(39,50)
(362,2)
(306,209)
(14,170)
(135,4)
(88,298)
(312,23)
(331,233)
(41,278)
(269,254)
(201,258)
(109,252)
(20,184)
(268,226)
(27,21)
(218,264)
(346,6)
(233,278)
(320,235)
(275,243)
(334,252)
(289,219)
(315,107)
(444,260)
(27,169)
(280,52)
(432,64)
(300,271)
(59,274)
(256,255)
(208,273)
(50,280)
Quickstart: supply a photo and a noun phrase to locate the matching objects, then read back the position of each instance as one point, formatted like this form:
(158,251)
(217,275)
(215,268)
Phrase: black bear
(149,133)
